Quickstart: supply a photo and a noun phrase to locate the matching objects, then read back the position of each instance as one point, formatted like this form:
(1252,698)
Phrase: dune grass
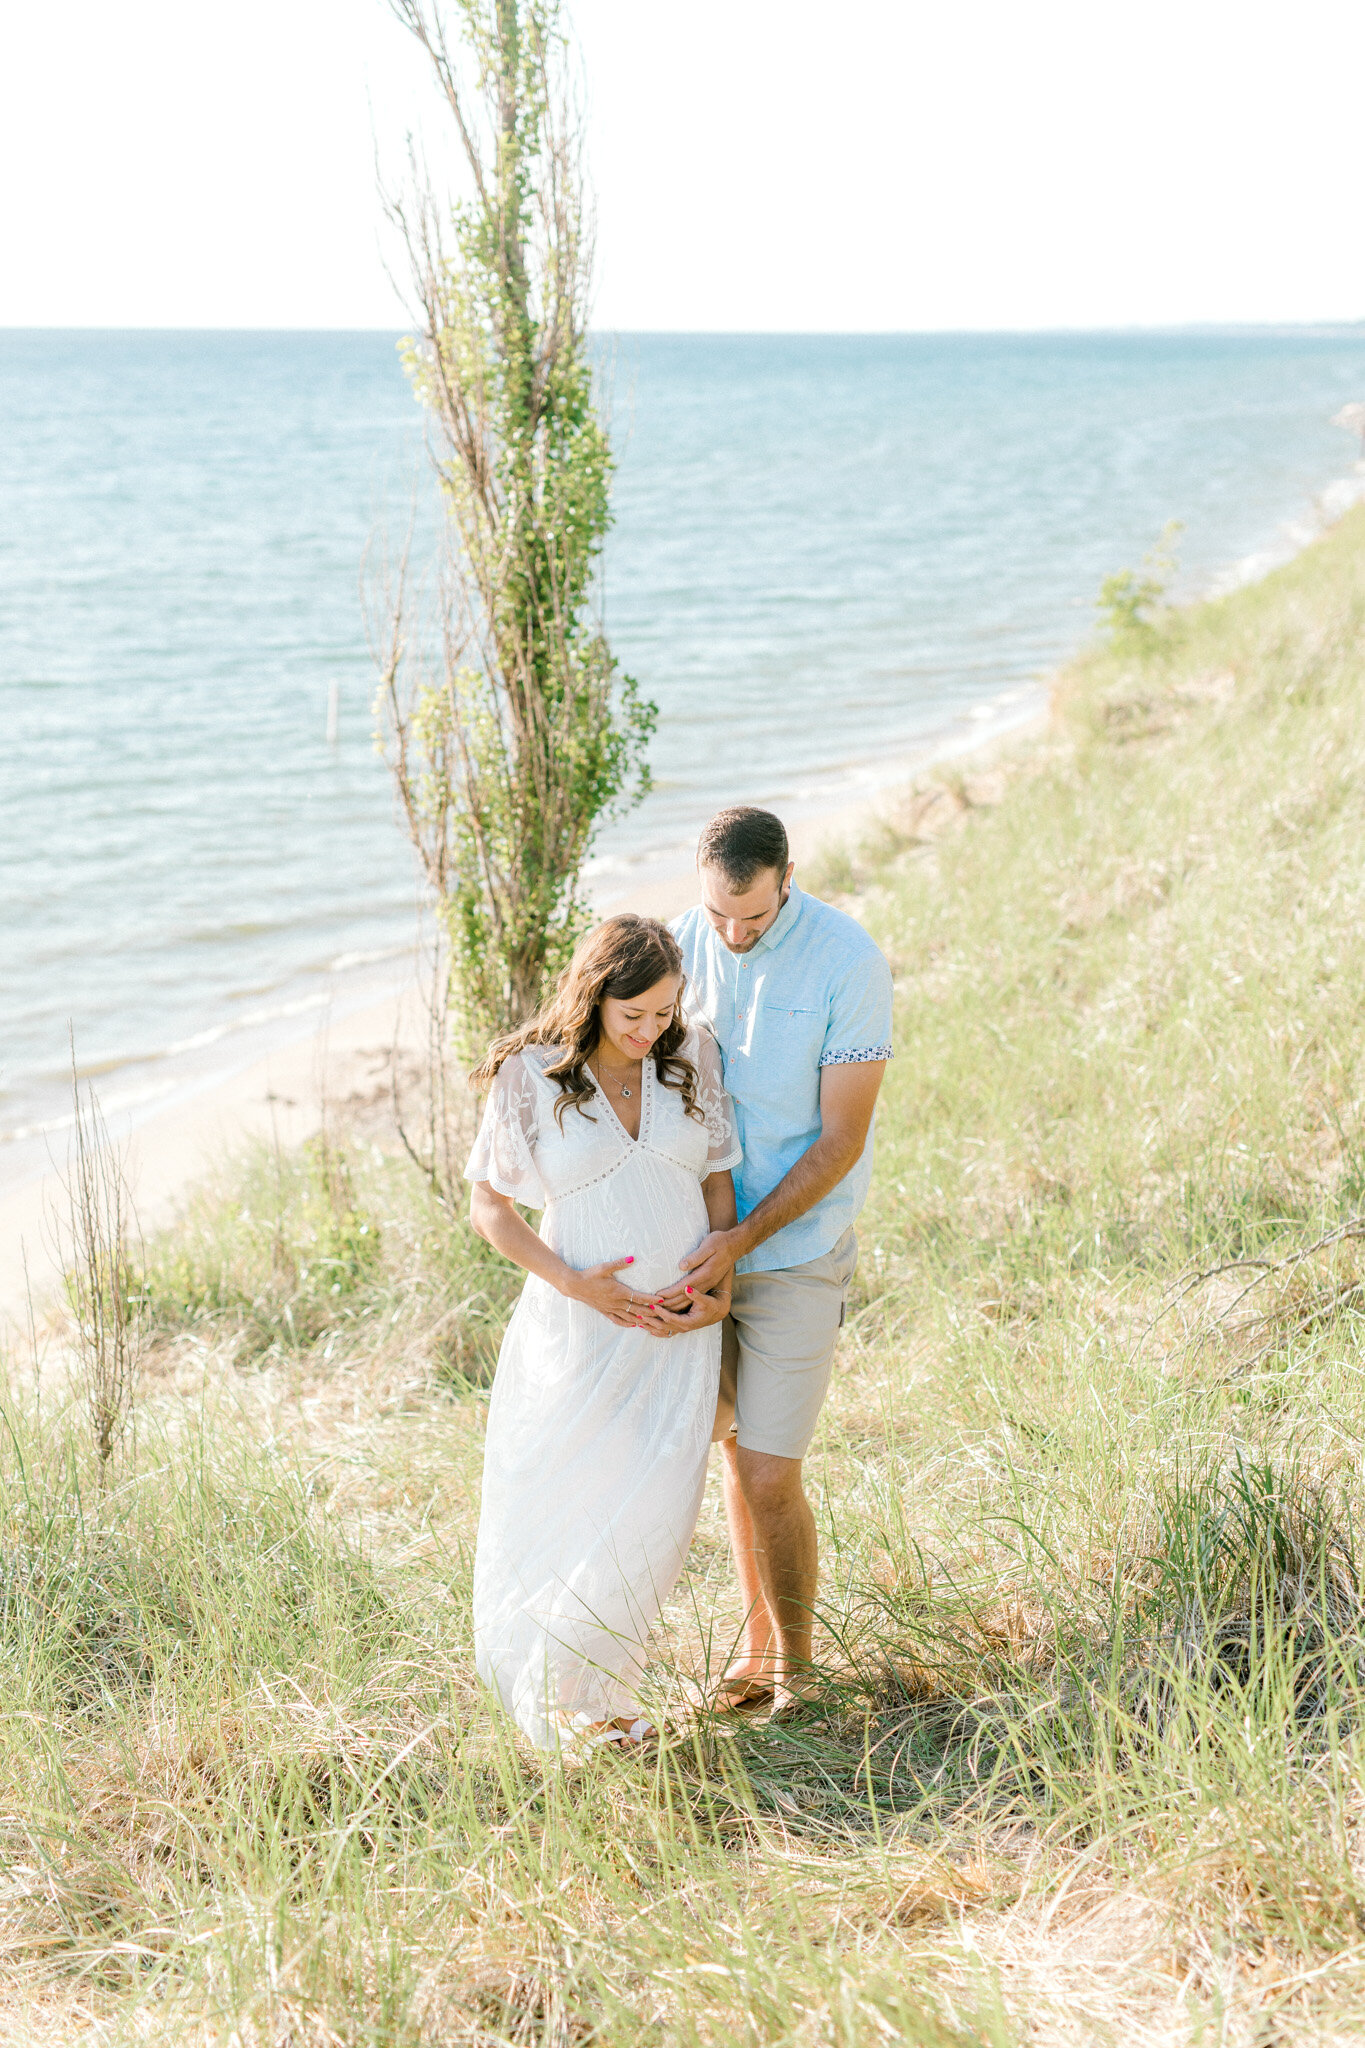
(1088,1765)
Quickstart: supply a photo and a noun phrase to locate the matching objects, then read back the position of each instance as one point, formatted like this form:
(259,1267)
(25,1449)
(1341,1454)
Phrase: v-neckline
(646,1066)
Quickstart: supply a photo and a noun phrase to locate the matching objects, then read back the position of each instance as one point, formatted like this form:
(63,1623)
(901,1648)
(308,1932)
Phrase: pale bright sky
(759,164)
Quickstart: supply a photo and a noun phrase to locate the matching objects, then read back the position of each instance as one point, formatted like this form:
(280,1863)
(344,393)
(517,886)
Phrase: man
(799,999)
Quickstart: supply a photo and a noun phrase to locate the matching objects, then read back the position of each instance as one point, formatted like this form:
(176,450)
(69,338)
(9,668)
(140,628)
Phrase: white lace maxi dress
(597,1436)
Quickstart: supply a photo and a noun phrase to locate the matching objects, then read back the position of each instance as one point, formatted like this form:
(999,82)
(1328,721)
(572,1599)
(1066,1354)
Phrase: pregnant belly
(657,1220)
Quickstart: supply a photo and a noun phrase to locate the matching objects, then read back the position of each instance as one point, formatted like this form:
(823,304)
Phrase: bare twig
(1322,1307)
(101,1279)
(436,1161)
(1265,1269)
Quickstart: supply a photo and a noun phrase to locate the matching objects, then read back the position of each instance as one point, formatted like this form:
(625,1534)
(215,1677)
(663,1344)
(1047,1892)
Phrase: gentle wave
(116,1103)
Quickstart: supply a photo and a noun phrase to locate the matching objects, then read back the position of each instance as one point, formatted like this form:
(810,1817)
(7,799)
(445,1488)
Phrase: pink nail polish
(631,1260)
(689,1290)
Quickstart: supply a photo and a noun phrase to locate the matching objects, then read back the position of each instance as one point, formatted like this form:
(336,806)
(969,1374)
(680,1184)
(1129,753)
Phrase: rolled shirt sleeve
(859,1027)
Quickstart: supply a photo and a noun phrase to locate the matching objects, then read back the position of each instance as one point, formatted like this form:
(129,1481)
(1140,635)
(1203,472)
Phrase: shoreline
(256,1024)
(277,1077)
(247,1027)
(344,1062)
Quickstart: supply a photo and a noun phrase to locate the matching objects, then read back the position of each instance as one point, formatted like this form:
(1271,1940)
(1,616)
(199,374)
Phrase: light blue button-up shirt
(814,992)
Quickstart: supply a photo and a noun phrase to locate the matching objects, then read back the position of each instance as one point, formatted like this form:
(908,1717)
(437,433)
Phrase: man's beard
(749,944)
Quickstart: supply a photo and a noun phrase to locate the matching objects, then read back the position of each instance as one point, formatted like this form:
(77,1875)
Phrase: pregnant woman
(607,1113)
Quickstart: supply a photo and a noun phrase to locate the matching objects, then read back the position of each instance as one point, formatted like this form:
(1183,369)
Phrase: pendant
(624,1089)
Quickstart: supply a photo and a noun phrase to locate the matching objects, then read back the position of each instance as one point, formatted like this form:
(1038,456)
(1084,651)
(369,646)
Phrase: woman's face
(631,1024)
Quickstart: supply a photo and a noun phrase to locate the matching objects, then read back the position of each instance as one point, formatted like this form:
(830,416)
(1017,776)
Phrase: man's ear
(787,878)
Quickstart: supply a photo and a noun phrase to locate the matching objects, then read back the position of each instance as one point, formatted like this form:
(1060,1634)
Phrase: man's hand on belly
(705,1269)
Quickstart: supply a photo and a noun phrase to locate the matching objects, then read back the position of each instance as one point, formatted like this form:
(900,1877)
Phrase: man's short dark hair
(742,842)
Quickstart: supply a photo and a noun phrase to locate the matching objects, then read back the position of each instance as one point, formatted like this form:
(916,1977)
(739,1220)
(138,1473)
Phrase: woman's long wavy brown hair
(622,957)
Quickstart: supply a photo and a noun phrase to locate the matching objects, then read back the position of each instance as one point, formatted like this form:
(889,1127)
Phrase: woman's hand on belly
(597,1288)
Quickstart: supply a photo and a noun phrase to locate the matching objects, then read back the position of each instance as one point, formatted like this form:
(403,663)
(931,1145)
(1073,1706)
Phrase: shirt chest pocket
(790,1035)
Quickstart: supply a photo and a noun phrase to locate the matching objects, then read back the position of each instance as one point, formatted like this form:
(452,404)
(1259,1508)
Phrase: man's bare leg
(778,1534)
(751,1667)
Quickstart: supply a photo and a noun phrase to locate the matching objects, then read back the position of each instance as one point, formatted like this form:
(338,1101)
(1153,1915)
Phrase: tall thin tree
(511,731)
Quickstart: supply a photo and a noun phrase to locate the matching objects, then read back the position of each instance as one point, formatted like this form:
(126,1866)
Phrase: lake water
(829,552)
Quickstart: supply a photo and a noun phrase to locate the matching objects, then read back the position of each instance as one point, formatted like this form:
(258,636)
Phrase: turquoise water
(828,551)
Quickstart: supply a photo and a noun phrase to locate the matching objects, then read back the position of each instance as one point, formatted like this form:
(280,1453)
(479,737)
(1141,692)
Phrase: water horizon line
(1326,325)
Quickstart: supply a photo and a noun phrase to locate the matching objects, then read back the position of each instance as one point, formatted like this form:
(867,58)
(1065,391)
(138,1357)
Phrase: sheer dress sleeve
(504,1152)
(722,1144)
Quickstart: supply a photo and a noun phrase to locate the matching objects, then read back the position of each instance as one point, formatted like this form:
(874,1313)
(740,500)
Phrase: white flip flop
(639,1731)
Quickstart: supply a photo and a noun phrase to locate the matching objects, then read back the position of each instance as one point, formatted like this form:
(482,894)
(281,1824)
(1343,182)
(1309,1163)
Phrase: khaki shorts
(777,1349)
